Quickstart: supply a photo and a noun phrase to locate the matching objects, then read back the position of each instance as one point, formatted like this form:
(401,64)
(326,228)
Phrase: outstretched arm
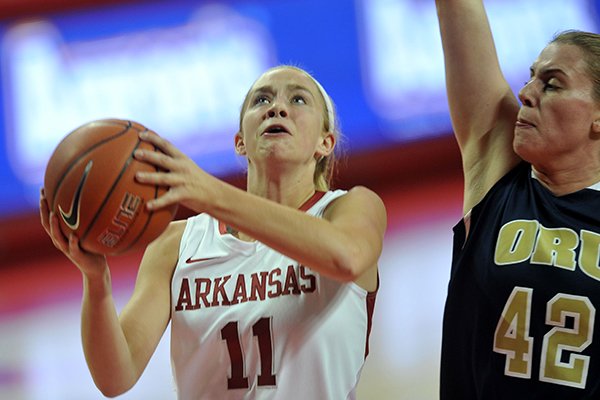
(482,105)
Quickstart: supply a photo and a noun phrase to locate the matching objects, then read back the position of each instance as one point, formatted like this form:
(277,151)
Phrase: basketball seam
(143,230)
(110,191)
(70,166)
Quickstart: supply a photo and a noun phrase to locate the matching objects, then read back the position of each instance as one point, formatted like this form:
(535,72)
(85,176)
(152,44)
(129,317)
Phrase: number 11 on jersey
(262,331)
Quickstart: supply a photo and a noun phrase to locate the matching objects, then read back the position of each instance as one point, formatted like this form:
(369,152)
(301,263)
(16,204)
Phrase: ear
(596,126)
(240,146)
(325,146)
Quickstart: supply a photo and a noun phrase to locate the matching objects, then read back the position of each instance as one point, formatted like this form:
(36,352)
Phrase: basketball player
(269,291)
(520,317)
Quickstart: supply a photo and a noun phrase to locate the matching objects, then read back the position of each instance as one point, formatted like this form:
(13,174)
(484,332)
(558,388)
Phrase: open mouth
(275,130)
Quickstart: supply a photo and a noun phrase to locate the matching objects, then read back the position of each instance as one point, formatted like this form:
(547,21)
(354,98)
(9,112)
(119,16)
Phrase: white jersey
(251,323)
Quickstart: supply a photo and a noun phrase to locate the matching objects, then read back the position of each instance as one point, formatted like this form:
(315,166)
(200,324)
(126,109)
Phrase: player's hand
(188,184)
(89,263)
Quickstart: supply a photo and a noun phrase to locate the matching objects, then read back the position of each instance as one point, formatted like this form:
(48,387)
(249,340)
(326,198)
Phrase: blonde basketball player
(269,291)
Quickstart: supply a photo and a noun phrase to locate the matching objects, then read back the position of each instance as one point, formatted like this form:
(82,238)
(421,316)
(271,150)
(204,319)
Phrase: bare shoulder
(163,252)
(171,236)
(173,232)
(359,200)
(364,194)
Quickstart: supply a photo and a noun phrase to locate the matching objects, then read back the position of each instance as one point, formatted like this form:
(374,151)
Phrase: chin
(523,150)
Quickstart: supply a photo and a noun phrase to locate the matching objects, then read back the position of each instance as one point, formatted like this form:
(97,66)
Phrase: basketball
(90,185)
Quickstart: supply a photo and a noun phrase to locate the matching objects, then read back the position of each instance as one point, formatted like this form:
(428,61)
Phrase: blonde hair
(589,44)
(325,168)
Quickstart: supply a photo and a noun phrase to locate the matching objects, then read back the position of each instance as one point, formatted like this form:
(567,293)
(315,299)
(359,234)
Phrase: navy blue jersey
(520,318)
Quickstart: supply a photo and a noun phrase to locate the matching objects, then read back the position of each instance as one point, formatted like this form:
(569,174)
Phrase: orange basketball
(90,185)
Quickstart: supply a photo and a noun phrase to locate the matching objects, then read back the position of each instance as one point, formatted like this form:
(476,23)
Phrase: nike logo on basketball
(197,260)
(72,217)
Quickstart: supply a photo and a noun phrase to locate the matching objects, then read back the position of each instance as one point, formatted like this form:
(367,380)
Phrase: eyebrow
(290,87)
(547,71)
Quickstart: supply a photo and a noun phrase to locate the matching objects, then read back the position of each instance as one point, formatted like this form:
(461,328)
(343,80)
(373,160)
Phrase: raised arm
(482,105)
(118,348)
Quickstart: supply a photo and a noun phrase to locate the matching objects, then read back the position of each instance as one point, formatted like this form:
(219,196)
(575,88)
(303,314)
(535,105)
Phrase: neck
(564,182)
(290,189)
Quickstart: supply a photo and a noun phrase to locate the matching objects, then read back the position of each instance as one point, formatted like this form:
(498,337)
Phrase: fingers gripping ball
(90,185)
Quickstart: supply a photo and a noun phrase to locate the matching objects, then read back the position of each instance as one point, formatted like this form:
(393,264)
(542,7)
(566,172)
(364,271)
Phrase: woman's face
(284,118)
(558,111)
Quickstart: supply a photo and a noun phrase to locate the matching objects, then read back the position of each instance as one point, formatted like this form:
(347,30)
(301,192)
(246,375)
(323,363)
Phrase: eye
(298,99)
(261,99)
(548,85)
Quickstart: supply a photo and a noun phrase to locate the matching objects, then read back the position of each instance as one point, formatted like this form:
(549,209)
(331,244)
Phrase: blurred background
(182,68)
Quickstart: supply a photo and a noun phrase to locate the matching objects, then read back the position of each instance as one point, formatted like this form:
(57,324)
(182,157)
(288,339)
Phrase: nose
(277,109)
(527,94)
